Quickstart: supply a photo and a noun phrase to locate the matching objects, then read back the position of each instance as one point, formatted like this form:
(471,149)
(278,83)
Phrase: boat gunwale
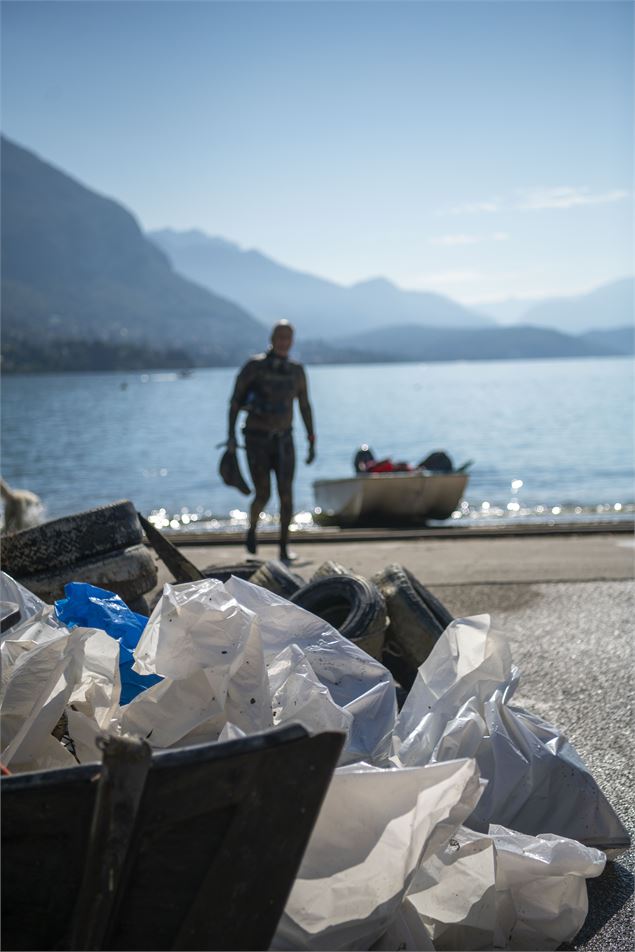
(365,477)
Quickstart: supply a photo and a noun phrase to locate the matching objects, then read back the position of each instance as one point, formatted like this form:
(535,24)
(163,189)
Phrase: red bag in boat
(381,466)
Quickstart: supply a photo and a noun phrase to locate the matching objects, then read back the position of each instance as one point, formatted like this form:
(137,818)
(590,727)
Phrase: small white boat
(396,498)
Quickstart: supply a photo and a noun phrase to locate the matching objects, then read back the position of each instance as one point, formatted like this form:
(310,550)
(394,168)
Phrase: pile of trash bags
(458,822)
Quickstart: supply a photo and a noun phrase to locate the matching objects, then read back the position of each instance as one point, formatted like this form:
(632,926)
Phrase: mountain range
(272,291)
(610,305)
(77,266)
(84,288)
(607,305)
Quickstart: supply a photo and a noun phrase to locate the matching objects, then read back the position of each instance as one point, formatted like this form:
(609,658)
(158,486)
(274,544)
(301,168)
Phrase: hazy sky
(479,149)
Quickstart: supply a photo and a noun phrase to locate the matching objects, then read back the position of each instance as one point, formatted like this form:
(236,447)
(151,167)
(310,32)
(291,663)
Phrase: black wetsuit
(266,387)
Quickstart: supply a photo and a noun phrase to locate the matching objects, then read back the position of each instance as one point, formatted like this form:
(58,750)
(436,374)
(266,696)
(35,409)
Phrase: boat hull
(388,498)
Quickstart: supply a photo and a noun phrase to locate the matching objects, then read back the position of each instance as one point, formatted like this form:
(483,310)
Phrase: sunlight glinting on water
(483,513)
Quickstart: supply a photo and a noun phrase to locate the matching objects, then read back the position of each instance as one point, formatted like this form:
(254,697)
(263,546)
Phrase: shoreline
(317,535)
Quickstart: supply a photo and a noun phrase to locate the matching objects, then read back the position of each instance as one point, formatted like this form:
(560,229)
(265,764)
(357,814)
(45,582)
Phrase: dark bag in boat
(230,473)
(437,462)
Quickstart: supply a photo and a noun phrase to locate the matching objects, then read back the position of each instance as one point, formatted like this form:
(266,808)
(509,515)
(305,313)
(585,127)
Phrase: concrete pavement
(455,561)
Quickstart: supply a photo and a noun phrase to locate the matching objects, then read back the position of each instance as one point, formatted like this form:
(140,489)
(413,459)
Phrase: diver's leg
(284,470)
(258,461)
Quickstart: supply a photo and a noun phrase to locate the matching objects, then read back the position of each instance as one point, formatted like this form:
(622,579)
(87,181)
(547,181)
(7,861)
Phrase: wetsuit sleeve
(305,406)
(238,396)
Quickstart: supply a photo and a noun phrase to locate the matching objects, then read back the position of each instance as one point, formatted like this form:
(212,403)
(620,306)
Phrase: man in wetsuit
(266,387)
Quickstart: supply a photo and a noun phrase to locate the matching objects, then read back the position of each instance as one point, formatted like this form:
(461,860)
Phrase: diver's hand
(310,456)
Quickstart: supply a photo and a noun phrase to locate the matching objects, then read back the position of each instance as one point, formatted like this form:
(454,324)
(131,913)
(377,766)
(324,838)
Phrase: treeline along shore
(22,354)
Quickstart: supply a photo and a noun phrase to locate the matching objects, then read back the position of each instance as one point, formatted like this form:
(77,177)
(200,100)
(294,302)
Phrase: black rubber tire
(277,578)
(402,695)
(71,539)
(329,568)
(435,607)
(402,671)
(129,572)
(10,615)
(221,572)
(413,629)
(351,604)
(139,605)
(153,600)
(240,570)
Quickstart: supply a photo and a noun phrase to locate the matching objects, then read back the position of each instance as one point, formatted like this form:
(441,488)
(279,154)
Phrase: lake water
(549,439)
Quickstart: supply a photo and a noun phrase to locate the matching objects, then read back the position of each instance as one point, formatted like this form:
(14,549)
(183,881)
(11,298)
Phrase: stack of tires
(244,570)
(102,546)
(417,619)
(347,601)
(277,578)
(392,616)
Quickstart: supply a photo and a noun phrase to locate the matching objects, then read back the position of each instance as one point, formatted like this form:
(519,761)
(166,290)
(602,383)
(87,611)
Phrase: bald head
(282,338)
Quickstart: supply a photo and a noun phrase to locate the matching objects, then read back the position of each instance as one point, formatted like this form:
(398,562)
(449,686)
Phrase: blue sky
(480,149)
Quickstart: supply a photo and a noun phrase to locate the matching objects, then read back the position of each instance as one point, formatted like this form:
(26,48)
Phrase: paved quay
(450,559)
(565,601)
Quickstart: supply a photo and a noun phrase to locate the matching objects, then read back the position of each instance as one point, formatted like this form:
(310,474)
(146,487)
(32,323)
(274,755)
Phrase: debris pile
(458,822)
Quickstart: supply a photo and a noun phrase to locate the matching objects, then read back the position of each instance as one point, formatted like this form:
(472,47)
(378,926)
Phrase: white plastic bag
(207,647)
(541,887)
(505,890)
(374,829)
(356,682)
(406,933)
(28,604)
(47,671)
(298,696)
(233,652)
(194,625)
(236,653)
(94,700)
(459,707)
(37,680)
(455,893)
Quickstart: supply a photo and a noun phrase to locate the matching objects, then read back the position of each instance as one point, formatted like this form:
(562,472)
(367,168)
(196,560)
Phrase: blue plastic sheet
(93,607)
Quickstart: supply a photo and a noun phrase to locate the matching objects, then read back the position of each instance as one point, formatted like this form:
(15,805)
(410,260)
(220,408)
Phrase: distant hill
(619,339)
(610,305)
(415,343)
(509,311)
(77,267)
(272,291)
